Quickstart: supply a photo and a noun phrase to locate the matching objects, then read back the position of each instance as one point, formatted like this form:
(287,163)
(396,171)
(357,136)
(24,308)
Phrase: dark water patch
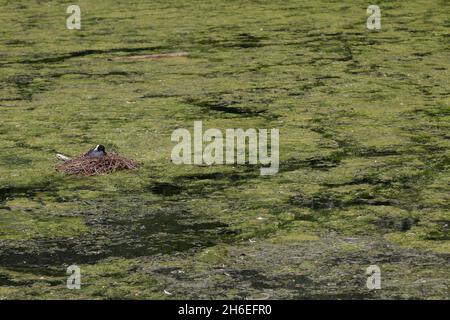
(261,281)
(160,95)
(167,230)
(16,42)
(87,52)
(371,180)
(26,86)
(323,163)
(321,127)
(10,99)
(11,192)
(225,107)
(327,200)
(325,77)
(396,224)
(307,87)
(47,272)
(241,40)
(47,187)
(23,84)
(308,295)
(317,201)
(166,233)
(167,270)
(256,278)
(205,184)
(427,143)
(346,51)
(364,197)
(343,43)
(437,110)
(20,80)
(230,176)
(247,40)
(16,160)
(437,236)
(24,145)
(316,163)
(441,232)
(96,75)
(291,281)
(375,151)
(422,54)
(164,189)
(7,281)
(307,217)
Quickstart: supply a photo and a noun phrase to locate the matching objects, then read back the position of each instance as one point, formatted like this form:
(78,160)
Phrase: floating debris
(167,292)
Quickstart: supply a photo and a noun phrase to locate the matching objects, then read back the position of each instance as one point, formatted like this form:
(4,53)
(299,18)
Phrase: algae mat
(364,177)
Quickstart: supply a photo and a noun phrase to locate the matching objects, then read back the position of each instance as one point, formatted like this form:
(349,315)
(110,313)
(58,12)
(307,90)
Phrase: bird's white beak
(96,148)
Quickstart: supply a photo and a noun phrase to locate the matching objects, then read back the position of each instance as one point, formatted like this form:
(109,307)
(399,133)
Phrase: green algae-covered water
(364,178)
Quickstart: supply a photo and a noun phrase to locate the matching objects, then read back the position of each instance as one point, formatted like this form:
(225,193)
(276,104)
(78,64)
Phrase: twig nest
(86,166)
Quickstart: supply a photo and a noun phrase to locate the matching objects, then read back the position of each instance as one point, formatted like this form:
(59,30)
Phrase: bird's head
(100,147)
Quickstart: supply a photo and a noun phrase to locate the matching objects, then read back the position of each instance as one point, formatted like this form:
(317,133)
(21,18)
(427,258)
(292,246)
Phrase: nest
(85,166)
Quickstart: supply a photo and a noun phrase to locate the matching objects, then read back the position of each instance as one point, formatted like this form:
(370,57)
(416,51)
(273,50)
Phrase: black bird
(97,152)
